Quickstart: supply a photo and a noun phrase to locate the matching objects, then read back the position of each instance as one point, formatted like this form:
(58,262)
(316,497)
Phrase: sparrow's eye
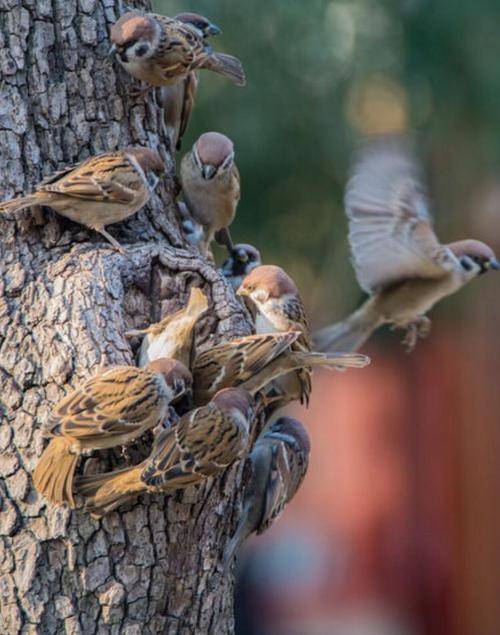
(141,50)
(178,386)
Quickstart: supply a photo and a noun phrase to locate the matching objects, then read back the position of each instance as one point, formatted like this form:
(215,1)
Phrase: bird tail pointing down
(105,492)
(227,65)
(54,473)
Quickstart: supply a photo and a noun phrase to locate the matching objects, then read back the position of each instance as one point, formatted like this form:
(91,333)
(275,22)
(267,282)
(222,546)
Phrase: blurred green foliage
(309,66)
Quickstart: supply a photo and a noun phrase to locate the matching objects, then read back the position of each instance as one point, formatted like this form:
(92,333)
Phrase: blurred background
(396,530)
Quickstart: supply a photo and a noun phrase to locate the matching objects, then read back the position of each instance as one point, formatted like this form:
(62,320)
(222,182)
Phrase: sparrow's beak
(112,50)
(213,29)
(493,264)
(208,171)
(242,257)
(242,291)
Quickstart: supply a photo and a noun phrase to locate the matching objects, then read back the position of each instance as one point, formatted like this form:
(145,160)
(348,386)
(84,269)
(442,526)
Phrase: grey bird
(279,461)
(397,257)
(241,261)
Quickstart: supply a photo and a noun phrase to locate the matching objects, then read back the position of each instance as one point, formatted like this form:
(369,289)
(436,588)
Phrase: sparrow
(397,257)
(113,408)
(99,191)
(178,99)
(211,187)
(253,361)
(279,308)
(234,362)
(241,261)
(203,444)
(200,23)
(279,461)
(163,51)
(173,336)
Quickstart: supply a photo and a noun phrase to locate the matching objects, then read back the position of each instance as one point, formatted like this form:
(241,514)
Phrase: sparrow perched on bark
(173,336)
(397,257)
(204,443)
(108,410)
(280,308)
(211,186)
(99,191)
(163,51)
(241,261)
(279,461)
(234,362)
(178,99)
(253,361)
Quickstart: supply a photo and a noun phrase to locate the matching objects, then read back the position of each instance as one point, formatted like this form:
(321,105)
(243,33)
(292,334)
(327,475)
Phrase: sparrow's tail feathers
(227,65)
(297,360)
(242,532)
(105,492)
(336,361)
(17,204)
(197,303)
(54,473)
(350,334)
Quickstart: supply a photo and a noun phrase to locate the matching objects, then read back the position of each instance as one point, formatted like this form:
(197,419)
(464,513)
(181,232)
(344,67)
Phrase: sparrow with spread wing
(99,191)
(163,51)
(108,410)
(211,187)
(173,335)
(279,461)
(397,257)
(178,99)
(202,444)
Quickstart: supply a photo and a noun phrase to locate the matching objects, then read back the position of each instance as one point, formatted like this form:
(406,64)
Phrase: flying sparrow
(173,336)
(279,461)
(110,409)
(178,99)
(211,186)
(241,261)
(99,191)
(280,308)
(397,257)
(203,444)
(163,51)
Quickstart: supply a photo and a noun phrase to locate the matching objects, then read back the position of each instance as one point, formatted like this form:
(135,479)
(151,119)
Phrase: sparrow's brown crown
(271,278)
(472,248)
(238,398)
(200,22)
(172,370)
(131,27)
(214,148)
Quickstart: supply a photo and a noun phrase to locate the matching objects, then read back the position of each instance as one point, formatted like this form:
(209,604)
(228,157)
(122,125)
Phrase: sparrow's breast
(410,299)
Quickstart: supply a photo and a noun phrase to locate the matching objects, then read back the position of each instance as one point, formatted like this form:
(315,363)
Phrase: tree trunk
(66,299)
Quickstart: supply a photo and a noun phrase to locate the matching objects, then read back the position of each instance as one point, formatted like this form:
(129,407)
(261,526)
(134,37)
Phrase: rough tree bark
(66,299)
